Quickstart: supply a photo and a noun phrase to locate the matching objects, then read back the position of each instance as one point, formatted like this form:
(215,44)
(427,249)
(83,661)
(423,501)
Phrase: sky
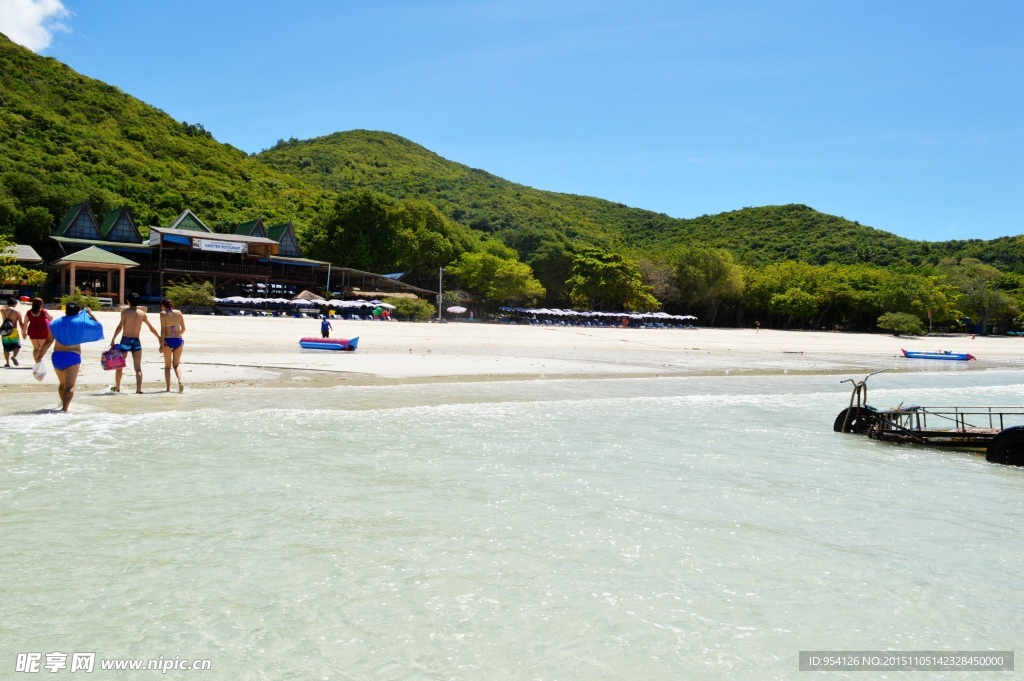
(906,116)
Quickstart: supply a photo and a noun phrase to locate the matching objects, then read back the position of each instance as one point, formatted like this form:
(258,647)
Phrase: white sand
(264,350)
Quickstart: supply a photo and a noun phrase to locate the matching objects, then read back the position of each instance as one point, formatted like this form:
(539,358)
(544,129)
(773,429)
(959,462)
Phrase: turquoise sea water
(704,528)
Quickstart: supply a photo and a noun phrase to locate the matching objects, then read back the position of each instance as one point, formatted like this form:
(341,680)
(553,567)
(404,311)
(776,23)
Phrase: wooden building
(254,260)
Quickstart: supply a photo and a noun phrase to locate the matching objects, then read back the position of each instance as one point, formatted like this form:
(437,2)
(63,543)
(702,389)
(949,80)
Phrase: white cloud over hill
(32,23)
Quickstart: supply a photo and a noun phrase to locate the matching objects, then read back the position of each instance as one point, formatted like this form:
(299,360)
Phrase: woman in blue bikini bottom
(64,360)
(172,327)
(67,349)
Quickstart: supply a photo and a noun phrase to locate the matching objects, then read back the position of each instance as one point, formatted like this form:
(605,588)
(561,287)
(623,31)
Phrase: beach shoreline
(264,352)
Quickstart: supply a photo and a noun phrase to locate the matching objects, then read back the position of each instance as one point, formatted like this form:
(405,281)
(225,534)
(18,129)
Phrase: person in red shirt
(37,324)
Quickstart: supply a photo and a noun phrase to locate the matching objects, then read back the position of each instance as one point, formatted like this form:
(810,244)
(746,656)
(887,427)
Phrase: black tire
(1007,447)
(860,421)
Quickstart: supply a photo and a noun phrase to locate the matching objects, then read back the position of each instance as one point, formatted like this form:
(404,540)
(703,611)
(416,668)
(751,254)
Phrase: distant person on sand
(12,341)
(325,328)
(67,337)
(757,327)
(131,323)
(172,324)
(37,327)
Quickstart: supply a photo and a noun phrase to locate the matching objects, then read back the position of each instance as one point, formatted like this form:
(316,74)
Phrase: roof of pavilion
(96,256)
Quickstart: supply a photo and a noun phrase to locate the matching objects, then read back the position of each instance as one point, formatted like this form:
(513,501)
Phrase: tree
(372,232)
(552,265)
(916,295)
(188,294)
(424,238)
(900,322)
(609,281)
(34,227)
(355,232)
(977,284)
(707,276)
(660,275)
(794,303)
(496,275)
(783,288)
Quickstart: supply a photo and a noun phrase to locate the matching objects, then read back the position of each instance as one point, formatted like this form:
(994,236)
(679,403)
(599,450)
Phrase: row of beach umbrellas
(662,316)
(300,302)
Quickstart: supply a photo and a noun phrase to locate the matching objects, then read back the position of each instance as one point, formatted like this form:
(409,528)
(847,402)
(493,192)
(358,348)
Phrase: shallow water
(605,529)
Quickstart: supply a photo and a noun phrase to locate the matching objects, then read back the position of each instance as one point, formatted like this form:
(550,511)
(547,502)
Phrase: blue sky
(905,116)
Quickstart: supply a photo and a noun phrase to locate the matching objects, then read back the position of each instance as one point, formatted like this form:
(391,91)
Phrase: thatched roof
(307,295)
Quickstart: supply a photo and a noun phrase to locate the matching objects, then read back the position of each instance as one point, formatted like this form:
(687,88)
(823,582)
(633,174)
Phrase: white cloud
(32,22)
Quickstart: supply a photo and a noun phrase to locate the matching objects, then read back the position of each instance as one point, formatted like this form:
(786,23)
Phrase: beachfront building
(255,260)
(26,256)
(72,252)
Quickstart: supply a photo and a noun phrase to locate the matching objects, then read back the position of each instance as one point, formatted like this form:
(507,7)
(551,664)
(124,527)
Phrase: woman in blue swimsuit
(67,338)
(172,327)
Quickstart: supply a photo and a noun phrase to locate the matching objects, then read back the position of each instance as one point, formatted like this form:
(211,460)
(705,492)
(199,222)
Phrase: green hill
(65,137)
(526,218)
(392,165)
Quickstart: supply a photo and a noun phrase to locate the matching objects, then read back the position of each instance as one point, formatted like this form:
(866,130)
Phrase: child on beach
(325,328)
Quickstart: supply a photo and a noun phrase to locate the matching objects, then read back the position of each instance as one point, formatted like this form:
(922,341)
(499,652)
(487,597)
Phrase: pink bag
(112,359)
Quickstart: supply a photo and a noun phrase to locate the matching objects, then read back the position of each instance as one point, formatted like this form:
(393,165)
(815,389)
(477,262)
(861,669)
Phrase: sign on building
(220,246)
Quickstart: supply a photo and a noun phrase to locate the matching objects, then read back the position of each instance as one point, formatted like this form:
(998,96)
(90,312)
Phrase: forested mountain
(373,200)
(65,138)
(525,217)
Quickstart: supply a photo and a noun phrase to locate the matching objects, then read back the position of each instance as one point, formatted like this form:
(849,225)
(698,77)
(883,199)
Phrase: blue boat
(940,354)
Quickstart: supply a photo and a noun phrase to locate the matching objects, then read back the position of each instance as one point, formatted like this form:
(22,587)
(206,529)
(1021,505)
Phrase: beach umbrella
(456,309)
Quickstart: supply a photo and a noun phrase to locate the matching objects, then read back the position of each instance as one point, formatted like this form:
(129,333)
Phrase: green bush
(91,302)
(187,295)
(412,308)
(900,322)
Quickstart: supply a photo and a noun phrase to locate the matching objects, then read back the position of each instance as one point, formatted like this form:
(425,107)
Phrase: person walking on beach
(131,323)
(172,324)
(12,339)
(37,327)
(67,335)
(325,328)
(13,326)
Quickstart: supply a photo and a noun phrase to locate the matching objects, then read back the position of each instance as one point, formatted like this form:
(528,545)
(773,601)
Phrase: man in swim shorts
(67,354)
(131,323)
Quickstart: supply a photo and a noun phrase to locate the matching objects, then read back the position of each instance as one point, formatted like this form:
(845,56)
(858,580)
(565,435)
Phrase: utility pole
(440,278)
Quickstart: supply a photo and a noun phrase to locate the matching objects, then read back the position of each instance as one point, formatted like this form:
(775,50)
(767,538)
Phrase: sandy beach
(264,350)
